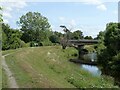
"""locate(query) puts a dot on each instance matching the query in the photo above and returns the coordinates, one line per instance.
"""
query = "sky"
(89, 16)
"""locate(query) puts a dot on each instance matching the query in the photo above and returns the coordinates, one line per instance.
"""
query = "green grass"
(45, 67)
(10, 51)
(4, 79)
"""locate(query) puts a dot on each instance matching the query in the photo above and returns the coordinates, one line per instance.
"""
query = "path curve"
(11, 80)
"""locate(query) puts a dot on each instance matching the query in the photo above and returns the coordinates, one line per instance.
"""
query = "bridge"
(82, 42)
(79, 45)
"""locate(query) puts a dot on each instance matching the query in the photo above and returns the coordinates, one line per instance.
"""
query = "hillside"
(48, 67)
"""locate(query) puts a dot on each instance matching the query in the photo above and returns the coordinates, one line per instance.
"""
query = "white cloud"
(8, 9)
(10, 6)
(73, 22)
(18, 4)
(92, 2)
(99, 4)
(7, 15)
(5, 21)
(102, 7)
(62, 19)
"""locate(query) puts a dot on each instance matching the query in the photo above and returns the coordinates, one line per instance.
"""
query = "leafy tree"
(109, 58)
(88, 37)
(100, 45)
(77, 35)
(34, 27)
(54, 39)
(1, 19)
(112, 38)
(11, 38)
(100, 36)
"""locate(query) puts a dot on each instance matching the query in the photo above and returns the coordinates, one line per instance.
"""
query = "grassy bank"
(4, 79)
(49, 67)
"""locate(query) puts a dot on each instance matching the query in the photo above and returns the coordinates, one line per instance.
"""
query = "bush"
(23, 44)
(47, 42)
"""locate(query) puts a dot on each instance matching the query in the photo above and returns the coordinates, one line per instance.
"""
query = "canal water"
(92, 69)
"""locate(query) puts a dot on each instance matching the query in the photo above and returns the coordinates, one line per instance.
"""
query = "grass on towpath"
(49, 67)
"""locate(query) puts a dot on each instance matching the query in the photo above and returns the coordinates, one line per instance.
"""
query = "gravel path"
(11, 80)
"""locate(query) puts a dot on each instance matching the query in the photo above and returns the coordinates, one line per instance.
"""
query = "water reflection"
(93, 69)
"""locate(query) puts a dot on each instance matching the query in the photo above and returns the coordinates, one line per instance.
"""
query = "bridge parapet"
(82, 42)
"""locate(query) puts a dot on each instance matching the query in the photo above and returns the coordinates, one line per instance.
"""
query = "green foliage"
(76, 35)
(100, 46)
(1, 19)
(109, 57)
(34, 26)
(11, 38)
(54, 39)
(46, 42)
(88, 37)
(112, 38)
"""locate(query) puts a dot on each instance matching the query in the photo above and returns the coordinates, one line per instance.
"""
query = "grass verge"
(48, 67)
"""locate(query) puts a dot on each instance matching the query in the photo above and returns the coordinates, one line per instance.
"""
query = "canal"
(92, 69)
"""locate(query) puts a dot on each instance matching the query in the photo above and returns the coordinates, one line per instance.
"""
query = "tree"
(54, 39)
(77, 35)
(88, 37)
(34, 27)
(1, 19)
(11, 38)
(109, 57)
(100, 36)
(112, 37)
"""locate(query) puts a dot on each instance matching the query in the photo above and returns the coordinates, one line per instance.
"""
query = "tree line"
(35, 31)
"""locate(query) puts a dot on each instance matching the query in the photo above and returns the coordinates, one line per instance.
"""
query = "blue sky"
(89, 17)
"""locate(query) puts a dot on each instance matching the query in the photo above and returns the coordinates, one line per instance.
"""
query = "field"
(49, 67)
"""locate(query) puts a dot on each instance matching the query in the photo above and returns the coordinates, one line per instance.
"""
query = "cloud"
(102, 7)
(99, 4)
(7, 15)
(73, 22)
(5, 21)
(62, 19)
(70, 23)
(8, 9)
(18, 5)
(92, 2)
(10, 6)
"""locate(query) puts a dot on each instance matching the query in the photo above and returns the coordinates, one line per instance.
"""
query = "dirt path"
(11, 80)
